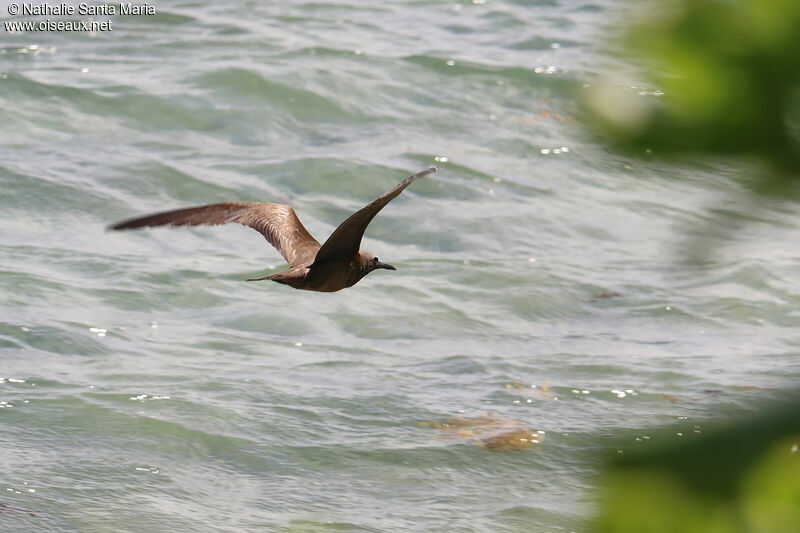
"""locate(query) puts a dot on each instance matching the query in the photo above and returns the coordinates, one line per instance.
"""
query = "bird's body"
(332, 266)
(326, 277)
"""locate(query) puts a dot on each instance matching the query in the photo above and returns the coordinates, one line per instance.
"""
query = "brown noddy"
(335, 265)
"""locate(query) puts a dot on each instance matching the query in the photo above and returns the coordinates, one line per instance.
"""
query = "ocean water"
(546, 289)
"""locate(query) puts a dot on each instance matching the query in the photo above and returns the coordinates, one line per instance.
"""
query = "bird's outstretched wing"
(277, 222)
(346, 240)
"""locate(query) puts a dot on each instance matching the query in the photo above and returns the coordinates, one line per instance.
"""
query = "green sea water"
(544, 283)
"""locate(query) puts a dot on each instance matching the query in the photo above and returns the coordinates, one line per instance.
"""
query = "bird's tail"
(262, 279)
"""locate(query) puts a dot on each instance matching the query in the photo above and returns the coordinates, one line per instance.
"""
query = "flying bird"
(335, 265)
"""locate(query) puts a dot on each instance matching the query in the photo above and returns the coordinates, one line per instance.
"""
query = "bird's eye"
(374, 259)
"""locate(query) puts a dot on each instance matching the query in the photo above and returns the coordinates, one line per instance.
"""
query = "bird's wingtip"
(425, 172)
(125, 224)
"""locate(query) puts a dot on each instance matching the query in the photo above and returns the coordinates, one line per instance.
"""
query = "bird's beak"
(386, 266)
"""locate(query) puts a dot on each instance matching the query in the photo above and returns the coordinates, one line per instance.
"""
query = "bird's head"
(370, 262)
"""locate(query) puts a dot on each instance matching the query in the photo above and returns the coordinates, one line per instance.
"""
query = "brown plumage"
(335, 265)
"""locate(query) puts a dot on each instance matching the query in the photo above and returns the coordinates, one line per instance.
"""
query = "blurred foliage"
(743, 479)
(727, 80)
